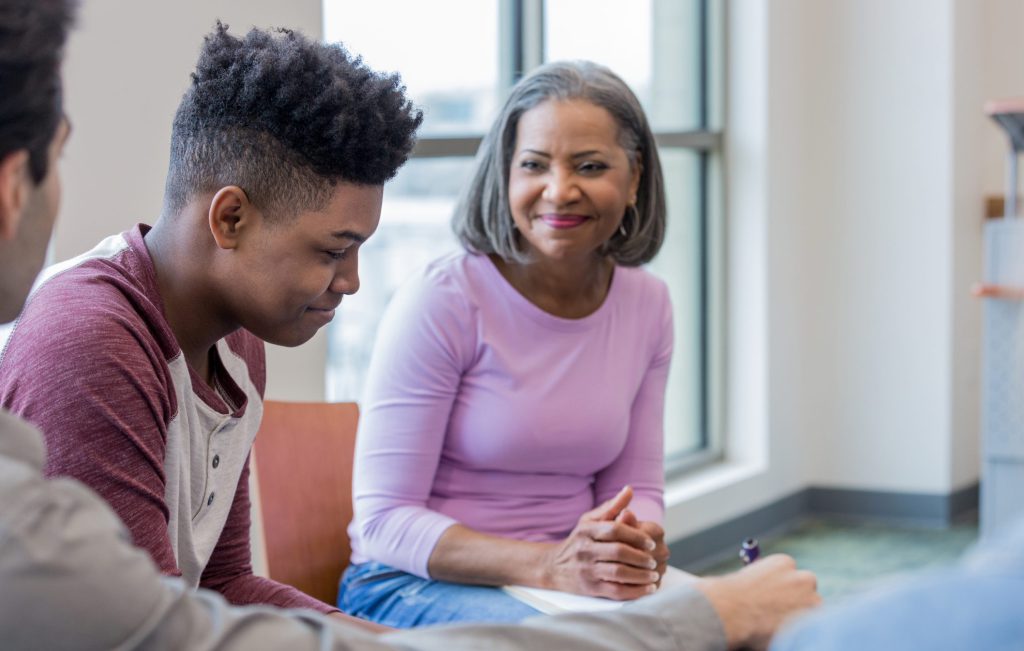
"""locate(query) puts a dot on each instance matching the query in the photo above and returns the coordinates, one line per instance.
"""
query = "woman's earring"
(631, 209)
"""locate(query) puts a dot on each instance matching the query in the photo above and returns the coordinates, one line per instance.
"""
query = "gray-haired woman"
(512, 426)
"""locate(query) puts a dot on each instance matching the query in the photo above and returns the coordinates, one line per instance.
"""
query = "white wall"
(859, 156)
(896, 160)
(877, 185)
(128, 64)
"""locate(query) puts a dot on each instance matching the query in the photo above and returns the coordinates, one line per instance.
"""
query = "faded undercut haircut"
(32, 36)
(285, 119)
(483, 220)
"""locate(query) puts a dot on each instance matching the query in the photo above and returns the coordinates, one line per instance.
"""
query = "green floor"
(851, 557)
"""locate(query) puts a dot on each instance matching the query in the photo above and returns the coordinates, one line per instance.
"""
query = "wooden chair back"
(303, 457)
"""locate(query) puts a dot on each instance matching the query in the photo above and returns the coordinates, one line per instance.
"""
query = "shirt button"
(209, 501)
(216, 460)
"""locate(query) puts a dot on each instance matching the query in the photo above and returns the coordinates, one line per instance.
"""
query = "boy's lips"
(325, 314)
(325, 308)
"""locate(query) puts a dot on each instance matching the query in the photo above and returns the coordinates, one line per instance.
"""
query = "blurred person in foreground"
(974, 605)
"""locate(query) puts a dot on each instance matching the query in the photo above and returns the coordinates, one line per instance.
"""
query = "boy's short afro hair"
(285, 118)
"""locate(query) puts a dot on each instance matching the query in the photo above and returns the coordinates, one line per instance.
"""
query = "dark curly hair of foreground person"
(285, 118)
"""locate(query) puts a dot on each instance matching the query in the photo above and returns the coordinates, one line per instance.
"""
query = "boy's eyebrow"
(349, 235)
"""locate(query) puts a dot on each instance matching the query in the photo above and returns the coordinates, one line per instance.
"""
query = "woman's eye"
(530, 165)
(337, 255)
(592, 167)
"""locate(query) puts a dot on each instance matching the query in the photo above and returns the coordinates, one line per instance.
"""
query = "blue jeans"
(383, 594)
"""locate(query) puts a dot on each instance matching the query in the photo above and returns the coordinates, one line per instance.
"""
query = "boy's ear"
(230, 213)
(14, 187)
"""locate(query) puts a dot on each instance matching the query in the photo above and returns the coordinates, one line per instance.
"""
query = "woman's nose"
(561, 188)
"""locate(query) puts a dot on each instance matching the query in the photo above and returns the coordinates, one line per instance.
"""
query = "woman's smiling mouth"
(562, 220)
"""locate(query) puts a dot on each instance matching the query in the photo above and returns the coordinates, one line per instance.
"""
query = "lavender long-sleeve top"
(484, 410)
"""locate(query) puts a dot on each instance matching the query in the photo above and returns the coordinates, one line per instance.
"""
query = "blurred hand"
(606, 557)
(756, 601)
(372, 627)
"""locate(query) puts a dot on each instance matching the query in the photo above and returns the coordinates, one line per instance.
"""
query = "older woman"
(512, 425)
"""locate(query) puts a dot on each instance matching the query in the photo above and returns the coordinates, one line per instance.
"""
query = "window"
(458, 71)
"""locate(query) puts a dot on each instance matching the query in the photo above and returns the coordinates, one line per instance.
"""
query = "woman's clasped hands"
(610, 553)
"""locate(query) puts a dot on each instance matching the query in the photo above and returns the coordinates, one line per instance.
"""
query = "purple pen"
(749, 551)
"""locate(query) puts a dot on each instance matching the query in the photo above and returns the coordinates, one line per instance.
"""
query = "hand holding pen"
(749, 551)
(754, 602)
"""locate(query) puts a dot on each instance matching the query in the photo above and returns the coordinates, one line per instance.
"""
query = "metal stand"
(1009, 113)
(1002, 485)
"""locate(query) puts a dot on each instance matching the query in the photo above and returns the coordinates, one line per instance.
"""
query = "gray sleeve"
(676, 619)
(682, 620)
(71, 580)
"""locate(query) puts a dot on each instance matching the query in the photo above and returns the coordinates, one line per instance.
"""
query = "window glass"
(449, 66)
(680, 264)
(414, 229)
(653, 45)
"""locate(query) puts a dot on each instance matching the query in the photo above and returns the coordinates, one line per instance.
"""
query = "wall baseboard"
(713, 545)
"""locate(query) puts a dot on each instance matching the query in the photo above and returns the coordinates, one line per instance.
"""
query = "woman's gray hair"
(483, 221)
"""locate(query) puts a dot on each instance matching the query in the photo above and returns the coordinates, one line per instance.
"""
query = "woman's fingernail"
(650, 545)
(652, 563)
(651, 588)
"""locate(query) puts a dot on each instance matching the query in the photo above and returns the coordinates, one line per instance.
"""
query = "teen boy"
(142, 360)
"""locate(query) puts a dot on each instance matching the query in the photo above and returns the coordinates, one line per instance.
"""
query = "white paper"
(551, 602)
